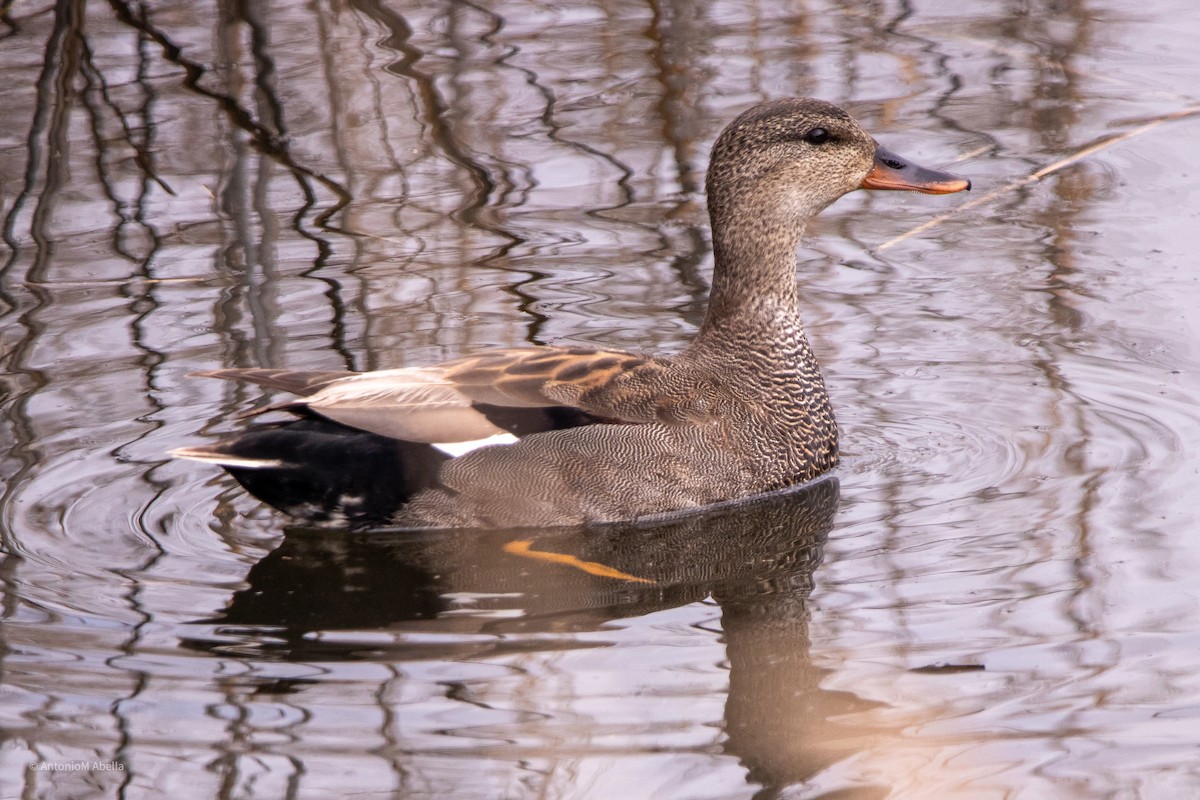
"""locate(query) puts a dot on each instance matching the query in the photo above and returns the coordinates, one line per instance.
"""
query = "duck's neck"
(754, 301)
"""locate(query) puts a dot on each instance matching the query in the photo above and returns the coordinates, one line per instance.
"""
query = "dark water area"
(994, 596)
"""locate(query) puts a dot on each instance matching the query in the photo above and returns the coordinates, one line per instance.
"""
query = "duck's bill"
(893, 172)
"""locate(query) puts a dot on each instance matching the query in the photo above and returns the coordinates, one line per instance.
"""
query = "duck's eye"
(817, 136)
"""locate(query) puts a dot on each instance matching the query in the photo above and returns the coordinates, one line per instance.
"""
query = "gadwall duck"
(550, 436)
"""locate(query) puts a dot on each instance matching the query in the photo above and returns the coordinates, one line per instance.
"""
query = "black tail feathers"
(322, 473)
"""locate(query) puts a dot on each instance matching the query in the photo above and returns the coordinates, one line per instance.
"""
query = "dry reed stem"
(1033, 177)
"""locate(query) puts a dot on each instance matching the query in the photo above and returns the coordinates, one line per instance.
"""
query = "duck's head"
(791, 158)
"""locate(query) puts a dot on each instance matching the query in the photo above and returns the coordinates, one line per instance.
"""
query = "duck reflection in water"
(538, 591)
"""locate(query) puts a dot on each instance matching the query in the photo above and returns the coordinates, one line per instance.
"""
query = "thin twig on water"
(1050, 169)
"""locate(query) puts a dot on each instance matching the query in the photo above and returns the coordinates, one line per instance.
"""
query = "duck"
(550, 436)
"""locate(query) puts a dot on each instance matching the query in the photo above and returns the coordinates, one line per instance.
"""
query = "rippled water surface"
(995, 597)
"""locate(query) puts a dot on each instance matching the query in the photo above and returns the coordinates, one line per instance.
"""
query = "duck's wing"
(515, 391)
(298, 382)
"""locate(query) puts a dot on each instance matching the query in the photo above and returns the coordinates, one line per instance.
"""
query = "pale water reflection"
(1002, 603)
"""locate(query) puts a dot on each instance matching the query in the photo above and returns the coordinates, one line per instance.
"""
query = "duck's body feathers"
(597, 435)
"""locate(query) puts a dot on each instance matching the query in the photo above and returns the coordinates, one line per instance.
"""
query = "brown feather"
(301, 382)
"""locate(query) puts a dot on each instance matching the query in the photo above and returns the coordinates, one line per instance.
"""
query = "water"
(994, 598)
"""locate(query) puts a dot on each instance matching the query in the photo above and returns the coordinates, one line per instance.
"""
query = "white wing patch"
(457, 449)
